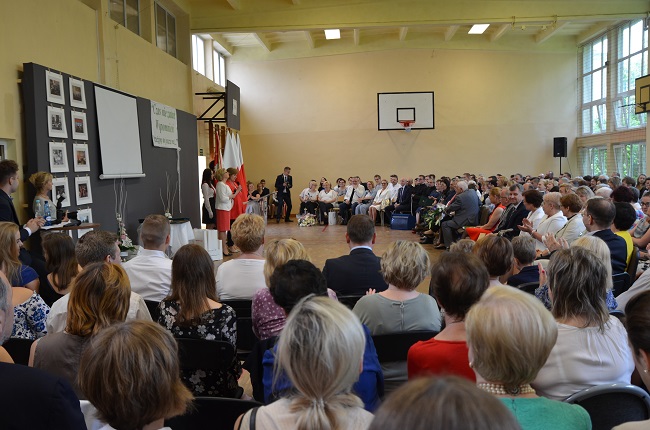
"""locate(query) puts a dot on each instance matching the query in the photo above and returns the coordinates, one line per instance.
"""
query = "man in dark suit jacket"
(598, 217)
(465, 208)
(9, 181)
(515, 214)
(26, 388)
(283, 184)
(523, 249)
(354, 274)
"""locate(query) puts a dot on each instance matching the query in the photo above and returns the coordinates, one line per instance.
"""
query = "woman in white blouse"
(208, 190)
(223, 204)
(382, 194)
(309, 198)
(550, 224)
(326, 199)
(366, 201)
(533, 200)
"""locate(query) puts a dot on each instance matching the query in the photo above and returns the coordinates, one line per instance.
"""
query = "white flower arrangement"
(307, 220)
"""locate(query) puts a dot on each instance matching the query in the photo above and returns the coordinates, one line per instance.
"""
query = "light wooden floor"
(323, 242)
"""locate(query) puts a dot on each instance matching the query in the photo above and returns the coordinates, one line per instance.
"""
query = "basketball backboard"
(415, 108)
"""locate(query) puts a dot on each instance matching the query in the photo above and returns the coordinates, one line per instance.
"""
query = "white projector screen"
(119, 134)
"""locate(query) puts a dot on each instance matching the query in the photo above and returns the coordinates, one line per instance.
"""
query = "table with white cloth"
(181, 233)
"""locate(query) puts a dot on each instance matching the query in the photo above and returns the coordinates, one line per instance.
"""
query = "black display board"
(143, 193)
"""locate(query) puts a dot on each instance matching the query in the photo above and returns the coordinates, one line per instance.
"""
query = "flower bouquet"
(124, 241)
(433, 216)
(307, 220)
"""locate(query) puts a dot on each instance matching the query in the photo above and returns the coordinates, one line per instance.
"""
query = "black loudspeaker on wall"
(559, 147)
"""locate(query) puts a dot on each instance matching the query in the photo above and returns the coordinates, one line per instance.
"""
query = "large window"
(593, 160)
(594, 86)
(126, 13)
(630, 158)
(631, 63)
(198, 54)
(165, 30)
(218, 68)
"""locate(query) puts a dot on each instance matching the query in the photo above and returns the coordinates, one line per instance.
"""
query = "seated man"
(523, 249)
(353, 196)
(598, 218)
(514, 214)
(402, 200)
(94, 247)
(24, 387)
(150, 272)
(240, 278)
(464, 208)
(356, 273)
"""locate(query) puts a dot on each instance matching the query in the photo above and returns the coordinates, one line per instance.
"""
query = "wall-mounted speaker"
(559, 147)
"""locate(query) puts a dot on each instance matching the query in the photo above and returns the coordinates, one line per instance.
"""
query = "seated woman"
(506, 365)
(130, 374)
(326, 199)
(571, 205)
(381, 200)
(456, 283)
(400, 308)
(309, 198)
(99, 298)
(19, 275)
(367, 199)
(30, 314)
(253, 203)
(533, 200)
(591, 347)
(497, 255)
(449, 403)
(552, 221)
(192, 310)
(500, 197)
(321, 352)
(61, 264)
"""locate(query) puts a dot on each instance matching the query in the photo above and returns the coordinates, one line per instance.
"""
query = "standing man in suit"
(24, 387)
(283, 184)
(515, 213)
(356, 273)
(9, 181)
(465, 208)
(598, 218)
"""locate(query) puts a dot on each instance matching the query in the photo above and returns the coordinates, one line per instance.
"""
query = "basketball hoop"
(407, 125)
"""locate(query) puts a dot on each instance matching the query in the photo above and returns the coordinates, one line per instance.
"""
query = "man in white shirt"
(150, 272)
(352, 198)
(94, 247)
(394, 187)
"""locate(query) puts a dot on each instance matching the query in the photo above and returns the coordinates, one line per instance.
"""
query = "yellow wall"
(494, 112)
(80, 39)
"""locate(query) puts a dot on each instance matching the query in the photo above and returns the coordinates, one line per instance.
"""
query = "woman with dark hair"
(591, 347)
(500, 200)
(533, 200)
(209, 192)
(456, 283)
(192, 310)
(61, 264)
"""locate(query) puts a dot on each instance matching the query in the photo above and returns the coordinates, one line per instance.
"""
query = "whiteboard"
(119, 134)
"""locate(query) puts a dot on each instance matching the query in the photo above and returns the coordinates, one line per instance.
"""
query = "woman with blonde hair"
(131, 361)
(19, 275)
(42, 182)
(591, 347)
(400, 308)
(223, 204)
(506, 365)
(192, 310)
(320, 350)
(99, 298)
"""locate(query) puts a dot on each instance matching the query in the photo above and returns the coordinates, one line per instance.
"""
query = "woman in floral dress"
(192, 311)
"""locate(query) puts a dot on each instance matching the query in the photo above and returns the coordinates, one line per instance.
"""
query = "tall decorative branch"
(168, 204)
(124, 241)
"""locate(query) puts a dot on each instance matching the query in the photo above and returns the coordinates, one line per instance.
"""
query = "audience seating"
(205, 354)
(212, 413)
(612, 404)
(245, 336)
(153, 309)
(634, 264)
(529, 287)
(621, 283)
(349, 301)
(483, 215)
(19, 349)
(395, 346)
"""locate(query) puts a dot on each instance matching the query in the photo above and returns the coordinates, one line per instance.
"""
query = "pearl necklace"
(500, 389)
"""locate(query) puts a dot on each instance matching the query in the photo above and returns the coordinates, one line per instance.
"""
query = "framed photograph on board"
(56, 122)
(79, 126)
(77, 93)
(60, 188)
(86, 217)
(58, 157)
(83, 191)
(80, 157)
(54, 85)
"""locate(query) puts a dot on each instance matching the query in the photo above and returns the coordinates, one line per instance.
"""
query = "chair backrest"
(152, 306)
(612, 404)
(245, 336)
(18, 349)
(212, 413)
(205, 354)
(395, 346)
(621, 283)
(348, 301)
(633, 265)
(529, 287)
(484, 215)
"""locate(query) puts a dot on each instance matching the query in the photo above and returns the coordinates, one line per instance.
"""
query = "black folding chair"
(19, 349)
(217, 413)
(245, 336)
(395, 346)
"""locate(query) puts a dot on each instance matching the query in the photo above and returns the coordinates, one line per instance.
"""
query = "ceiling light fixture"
(478, 28)
(333, 34)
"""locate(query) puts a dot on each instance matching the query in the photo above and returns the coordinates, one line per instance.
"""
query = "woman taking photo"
(254, 199)
(208, 190)
(309, 199)
(326, 199)
(192, 310)
(223, 204)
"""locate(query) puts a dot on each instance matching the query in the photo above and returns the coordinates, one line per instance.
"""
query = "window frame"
(171, 51)
(124, 22)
